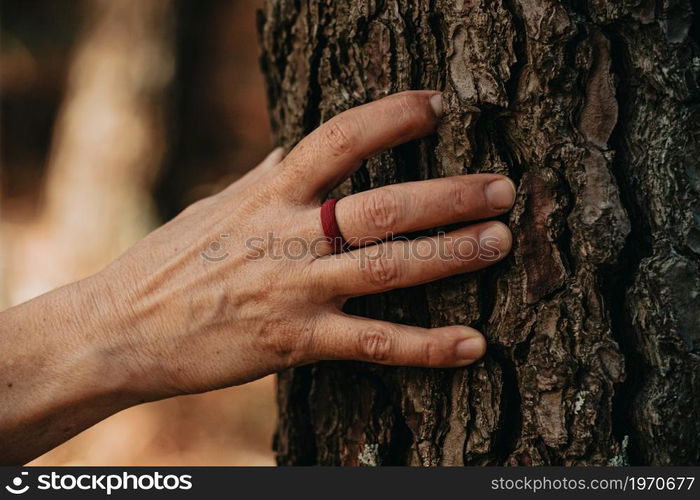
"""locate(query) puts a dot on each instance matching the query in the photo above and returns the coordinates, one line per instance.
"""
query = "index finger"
(333, 151)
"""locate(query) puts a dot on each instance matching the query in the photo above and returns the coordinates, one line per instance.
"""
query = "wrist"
(94, 348)
(132, 327)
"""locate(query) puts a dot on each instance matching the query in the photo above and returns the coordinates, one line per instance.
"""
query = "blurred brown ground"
(115, 116)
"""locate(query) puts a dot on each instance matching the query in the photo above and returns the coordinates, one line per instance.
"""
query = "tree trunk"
(593, 322)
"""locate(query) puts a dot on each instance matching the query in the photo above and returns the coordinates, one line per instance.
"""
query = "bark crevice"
(617, 279)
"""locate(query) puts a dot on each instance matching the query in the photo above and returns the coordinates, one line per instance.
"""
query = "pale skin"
(163, 320)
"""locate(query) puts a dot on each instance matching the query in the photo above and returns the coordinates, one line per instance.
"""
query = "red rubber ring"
(330, 225)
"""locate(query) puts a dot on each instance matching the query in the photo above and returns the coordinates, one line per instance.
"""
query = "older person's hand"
(246, 283)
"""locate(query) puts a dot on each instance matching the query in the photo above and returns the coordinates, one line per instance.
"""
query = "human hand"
(244, 283)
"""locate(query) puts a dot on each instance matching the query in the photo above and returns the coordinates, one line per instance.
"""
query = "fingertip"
(427, 107)
(436, 104)
(500, 193)
(470, 347)
(496, 236)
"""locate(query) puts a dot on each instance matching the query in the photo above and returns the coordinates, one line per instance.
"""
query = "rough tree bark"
(593, 321)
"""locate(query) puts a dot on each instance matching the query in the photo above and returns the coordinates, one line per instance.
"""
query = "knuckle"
(405, 106)
(279, 341)
(284, 342)
(460, 251)
(339, 136)
(430, 354)
(381, 210)
(382, 271)
(460, 198)
(197, 206)
(408, 111)
(375, 344)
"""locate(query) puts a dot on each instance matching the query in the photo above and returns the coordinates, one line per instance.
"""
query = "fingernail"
(495, 236)
(500, 194)
(436, 104)
(471, 348)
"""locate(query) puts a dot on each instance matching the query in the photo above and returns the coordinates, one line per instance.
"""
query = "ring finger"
(402, 208)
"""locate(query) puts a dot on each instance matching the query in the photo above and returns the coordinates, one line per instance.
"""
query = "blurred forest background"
(115, 115)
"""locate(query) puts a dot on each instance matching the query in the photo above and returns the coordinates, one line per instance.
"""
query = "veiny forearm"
(63, 368)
